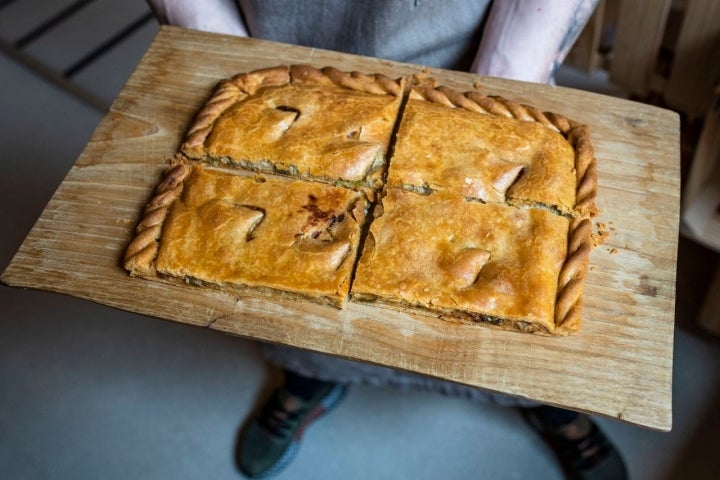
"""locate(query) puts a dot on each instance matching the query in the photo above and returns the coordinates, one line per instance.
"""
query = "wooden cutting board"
(620, 365)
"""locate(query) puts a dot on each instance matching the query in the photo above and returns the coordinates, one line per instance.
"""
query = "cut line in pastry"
(481, 206)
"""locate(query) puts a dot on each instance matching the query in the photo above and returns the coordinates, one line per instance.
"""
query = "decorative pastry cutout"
(507, 179)
(285, 108)
(283, 119)
(335, 251)
(466, 266)
(492, 185)
(454, 146)
(294, 120)
(231, 220)
(363, 155)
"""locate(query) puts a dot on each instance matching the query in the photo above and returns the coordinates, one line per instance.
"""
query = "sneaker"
(584, 452)
(271, 439)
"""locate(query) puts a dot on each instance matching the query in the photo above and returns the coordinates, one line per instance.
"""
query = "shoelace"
(584, 452)
(277, 419)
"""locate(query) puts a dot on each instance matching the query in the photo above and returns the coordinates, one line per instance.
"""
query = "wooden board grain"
(620, 365)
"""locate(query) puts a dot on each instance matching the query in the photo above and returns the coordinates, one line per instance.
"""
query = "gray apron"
(435, 33)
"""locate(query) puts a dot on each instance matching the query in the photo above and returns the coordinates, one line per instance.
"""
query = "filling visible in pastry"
(269, 233)
(317, 127)
(484, 157)
(464, 260)
(483, 213)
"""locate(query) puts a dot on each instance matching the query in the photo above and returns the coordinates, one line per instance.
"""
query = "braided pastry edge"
(568, 304)
(232, 90)
(141, 252)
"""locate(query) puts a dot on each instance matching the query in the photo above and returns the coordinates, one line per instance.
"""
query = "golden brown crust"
(323, 124)
(586, 171)
(480, 156)
(226, 94)
(142, 250)
(377, 83)
(469, 261)
(572, 277)
(577, 135)
(236, 232)
(524, 269)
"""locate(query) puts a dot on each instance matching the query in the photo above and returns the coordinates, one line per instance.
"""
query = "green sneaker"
(271, 439)
(584, 452)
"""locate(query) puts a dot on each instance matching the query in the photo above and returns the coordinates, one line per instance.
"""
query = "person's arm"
(528, 39)
(219, 16)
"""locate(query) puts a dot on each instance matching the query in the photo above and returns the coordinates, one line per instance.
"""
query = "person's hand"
(219, 16)
(528, 39)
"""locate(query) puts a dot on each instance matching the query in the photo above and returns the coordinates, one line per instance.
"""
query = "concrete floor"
(90, 392)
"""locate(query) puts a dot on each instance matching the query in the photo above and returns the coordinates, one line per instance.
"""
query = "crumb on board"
(613, 251)
(601, 235)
